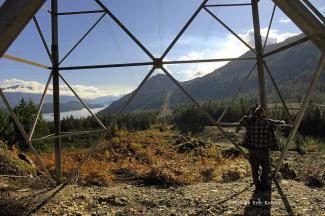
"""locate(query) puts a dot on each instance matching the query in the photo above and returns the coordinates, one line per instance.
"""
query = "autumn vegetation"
(152, 157)
(140, 149)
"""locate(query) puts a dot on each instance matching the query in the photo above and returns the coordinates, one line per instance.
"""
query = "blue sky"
(107, 43)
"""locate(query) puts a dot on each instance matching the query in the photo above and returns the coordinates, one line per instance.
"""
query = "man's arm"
(244, 121)
(276, 122)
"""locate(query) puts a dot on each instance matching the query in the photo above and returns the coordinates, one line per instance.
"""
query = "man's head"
(259, 112)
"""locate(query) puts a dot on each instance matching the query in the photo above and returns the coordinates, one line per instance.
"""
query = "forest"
(186, 119)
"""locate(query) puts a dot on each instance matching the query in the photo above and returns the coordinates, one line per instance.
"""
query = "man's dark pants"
(261, 158)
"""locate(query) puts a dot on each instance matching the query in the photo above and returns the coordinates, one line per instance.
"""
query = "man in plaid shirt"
(259, 140)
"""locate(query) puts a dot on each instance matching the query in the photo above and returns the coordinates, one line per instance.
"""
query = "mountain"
(68, 103)
(292, 69)
(149, 97)
(104, 100)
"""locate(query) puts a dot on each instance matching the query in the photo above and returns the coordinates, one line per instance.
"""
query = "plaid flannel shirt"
(259, 133)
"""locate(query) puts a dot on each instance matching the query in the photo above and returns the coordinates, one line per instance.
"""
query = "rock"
(124, 173)
(230, 152)
(288, 172)
(230, 175)
(119, 213)
(27, 159)
(24, 190)
(113, 200)
(82, 196)
(313, 181)
(149, 203)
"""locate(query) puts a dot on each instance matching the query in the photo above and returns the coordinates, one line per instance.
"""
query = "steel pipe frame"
(165, 53)
(146, 50)
(55, 69)
(25, 136)
(40, 106)
(170, 76)
(39, 30)
(259, 53)
(229, 29)
(112, 123)
(56, 89)
(307, 96)
(25, 61)
(236, 93)
(82, 38)
(67, 134)
(278, 92)
(208, 60)
(261, 57)
(269, 28)
(188, 23)
(306, 100)
(228, 5)
(50, 135)
(207, 114)
(82, 102)
(287, 46)
(15, 14)
(93, 147)
(136, 91)
(304, 19)
(236, 124)
(138, 64)
(44, 44)
(79, 12)
(125, 29)
(314, 10)
(86, 67)
(15, 30)
(78, 168)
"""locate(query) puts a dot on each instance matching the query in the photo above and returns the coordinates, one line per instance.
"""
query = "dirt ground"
(288, 198)
(234, 196)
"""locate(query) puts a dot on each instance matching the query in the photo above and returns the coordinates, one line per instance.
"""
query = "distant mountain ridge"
(68, 103)
(291, 68)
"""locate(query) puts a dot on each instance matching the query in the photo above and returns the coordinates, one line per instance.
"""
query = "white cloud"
(274, 36)
(34, 87)
(283, 20)
(229, 47)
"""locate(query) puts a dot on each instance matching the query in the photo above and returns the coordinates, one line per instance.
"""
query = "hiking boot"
(258, 186)
(265, 187)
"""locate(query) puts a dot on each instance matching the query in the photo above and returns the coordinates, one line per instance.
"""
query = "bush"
(314, 176)
(207, 174)
(231, 175)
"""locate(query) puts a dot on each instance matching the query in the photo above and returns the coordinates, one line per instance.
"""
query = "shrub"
(231, 175)
(207, 174)
(314, 176)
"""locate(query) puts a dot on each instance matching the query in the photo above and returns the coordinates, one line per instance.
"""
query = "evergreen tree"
(26, 113)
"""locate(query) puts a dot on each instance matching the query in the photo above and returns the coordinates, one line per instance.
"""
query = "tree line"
(26, 112)
(191, 119)
(186, 119)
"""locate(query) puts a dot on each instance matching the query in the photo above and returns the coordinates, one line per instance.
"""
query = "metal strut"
(306, 100)
(56, 89)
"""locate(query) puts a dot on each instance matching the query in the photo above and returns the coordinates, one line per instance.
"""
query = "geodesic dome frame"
(30, 7)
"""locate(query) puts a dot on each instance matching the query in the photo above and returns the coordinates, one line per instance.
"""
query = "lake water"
(77, 114)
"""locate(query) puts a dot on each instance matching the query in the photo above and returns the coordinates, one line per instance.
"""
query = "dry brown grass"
(150, 156)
